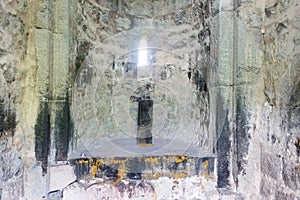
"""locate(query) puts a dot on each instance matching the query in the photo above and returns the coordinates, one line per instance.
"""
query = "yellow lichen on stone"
(145, 145)
(122, 169)
(181, 159)
(152, 160)
(157, 175)
(94, 170)
(177, 176)
(206, 172)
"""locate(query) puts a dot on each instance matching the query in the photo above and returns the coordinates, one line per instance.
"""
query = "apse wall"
(57, 57)
(110, 79)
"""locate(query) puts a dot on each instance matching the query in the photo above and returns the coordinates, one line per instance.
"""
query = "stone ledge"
(112, 170)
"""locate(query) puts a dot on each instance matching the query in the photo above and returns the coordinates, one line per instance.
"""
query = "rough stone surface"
(109, 82)
(60, 176)
(11, 47)
(163, 188)
(281, 80)
(227, 73)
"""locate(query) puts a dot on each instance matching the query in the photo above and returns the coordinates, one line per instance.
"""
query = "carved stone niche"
(136, 95)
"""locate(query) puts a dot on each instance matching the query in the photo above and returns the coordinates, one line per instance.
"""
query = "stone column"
(36, 64)
(234, 75)
(42, 39)
(48, 55)
(248, 96)
(222, 88)
(59, 80)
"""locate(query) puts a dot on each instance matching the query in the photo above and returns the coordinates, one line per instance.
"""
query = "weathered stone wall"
(11, 47)
(280, 124)
(246, 51)
(255, 72)
(105, 88)
(235, 75)
(33, 41)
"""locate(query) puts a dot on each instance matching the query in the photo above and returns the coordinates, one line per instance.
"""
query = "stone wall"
(259, 40)
(246, 51)
(280, 114)
(11, 48)
(106, 88)
(32, 106)
(235, 76)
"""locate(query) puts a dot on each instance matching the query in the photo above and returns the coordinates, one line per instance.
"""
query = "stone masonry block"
(221, 5)
(271, 165)
(60, 65)
(61, 176)
(61, 16)
(249, 55)
(42, 15)
(42, 46)
(222, 45)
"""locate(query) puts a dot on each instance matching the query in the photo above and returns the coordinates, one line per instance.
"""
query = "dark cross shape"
(144, 122)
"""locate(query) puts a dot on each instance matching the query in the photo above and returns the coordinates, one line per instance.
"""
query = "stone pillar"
(235, 71)
(49, 56)
(36, 63)
(222, 88)
(248, 97)
(42, 42)
(59, 80)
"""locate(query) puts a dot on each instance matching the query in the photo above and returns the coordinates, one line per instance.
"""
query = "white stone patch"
(61, 176)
